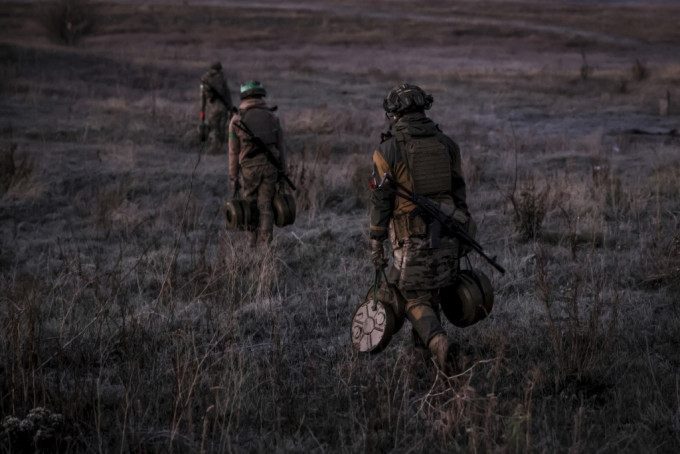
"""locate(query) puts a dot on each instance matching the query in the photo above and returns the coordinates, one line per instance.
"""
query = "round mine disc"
(487, 291)
(372, 326)
(460, 301)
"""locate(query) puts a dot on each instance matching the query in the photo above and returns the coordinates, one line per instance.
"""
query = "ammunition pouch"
(406, 226)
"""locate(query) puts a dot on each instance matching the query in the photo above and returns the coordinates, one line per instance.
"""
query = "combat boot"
(446, 353)
(252, 239)
(420, 350)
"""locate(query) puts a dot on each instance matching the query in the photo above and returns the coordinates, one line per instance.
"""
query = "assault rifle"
(261, 147)
(219, 96)
(431, 209)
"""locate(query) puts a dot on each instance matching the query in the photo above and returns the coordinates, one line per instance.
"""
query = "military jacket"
(440, 178)
(420, 157)
(261, 120)
(214, 88)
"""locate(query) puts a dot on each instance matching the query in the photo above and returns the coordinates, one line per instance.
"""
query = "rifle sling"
(218, 95)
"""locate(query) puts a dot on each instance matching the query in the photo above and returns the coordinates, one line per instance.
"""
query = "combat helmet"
(252, 88)
(216, 66)
(405, 98)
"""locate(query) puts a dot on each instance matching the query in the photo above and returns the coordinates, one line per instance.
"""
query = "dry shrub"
(308, 185)
(13, 172)
(586, 69)
(639, 71)
(69, 20)
(616, 202)
(238, 275)
(474, 167)
(529, 208)
(674, 259)
(581, 314)
(330, 121)
(666, 269)
(600, 171)
(42, 430)
(321, 183)
(665, 180)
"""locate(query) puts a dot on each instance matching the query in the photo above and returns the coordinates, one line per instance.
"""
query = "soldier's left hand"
(460, 217)
(235, 186)
(378, 254)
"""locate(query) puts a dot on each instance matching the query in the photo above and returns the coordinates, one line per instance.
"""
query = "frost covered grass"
(135, 322)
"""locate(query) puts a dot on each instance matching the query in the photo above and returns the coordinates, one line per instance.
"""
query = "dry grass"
(135, 322)
(15, 174)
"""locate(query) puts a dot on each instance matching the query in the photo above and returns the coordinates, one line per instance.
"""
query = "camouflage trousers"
(422, 310)
(218, 120)
(420, 271)
(259, 187)
(423, 267)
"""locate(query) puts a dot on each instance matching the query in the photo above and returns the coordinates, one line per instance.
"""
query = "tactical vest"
(263, 124)
(428, 164)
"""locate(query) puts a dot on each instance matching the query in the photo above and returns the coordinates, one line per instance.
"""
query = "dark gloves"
(460, 217)
(378, 254)
(235, 186)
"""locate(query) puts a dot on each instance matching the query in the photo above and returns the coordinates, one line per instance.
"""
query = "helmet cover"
(252, 88)
(406, 98)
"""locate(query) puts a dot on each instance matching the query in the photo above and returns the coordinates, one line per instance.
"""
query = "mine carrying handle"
(263, 148)
(430, 209)
(376, 285)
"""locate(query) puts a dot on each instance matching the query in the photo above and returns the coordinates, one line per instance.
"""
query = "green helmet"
(252, 88)
(406, 98)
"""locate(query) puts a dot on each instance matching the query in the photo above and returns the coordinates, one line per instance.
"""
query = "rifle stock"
(263, 148)
(431, 209)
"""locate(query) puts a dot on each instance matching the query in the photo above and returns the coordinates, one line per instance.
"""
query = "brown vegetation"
(134, 322)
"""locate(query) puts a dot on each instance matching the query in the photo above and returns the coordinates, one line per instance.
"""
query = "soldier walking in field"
(259, 174)
(216, 105)
(415, 153)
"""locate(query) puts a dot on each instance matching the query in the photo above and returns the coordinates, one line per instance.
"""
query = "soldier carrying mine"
(259, 173)
(417, 155)
(217, 106)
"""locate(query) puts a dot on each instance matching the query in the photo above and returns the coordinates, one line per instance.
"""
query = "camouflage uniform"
(259, 175)
(418, 155)
(216, 105)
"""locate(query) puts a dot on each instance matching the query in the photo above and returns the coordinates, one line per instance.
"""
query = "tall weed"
(13, 172)
(69, 20)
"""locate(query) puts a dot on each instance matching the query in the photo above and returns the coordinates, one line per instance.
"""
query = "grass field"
(134, 322)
